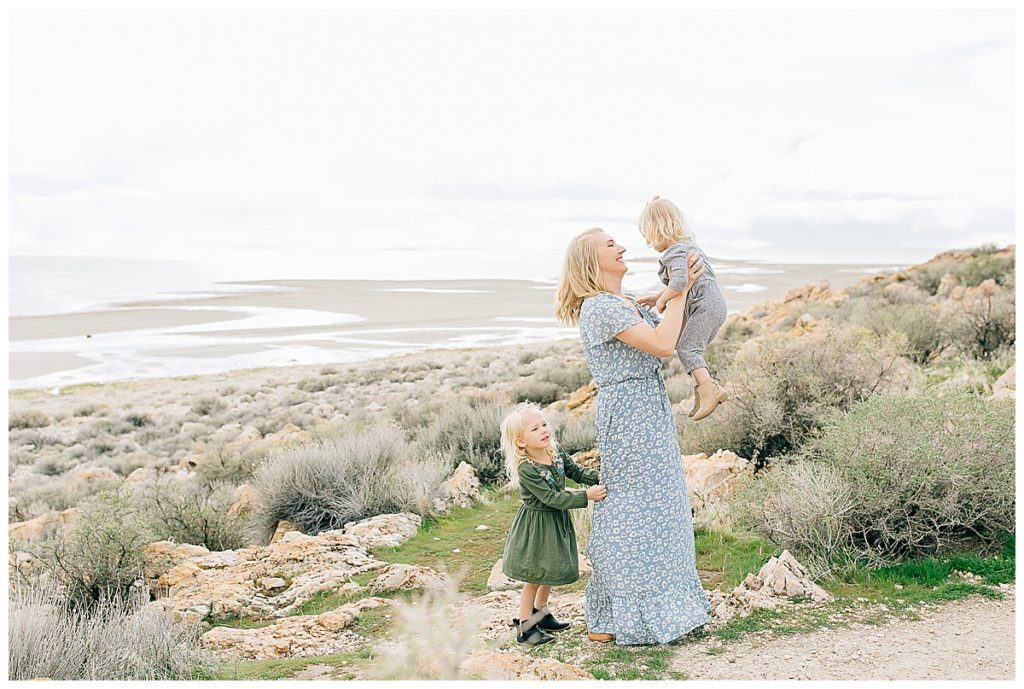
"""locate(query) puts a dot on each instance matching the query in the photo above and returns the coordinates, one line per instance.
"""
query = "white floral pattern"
(644, 588)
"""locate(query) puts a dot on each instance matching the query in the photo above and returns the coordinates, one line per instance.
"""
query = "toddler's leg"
(542, 597)
(526, 599)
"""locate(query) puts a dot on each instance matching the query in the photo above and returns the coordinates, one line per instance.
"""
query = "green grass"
(281, 668)
(438, 538)
(726, 559)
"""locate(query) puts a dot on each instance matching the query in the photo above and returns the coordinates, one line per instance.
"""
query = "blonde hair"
(580, 278)
(662, 221)
(511, 429)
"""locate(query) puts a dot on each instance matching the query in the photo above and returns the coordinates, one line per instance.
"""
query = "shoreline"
(323, 322)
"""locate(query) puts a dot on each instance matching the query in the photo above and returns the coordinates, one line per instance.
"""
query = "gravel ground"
(969, 639)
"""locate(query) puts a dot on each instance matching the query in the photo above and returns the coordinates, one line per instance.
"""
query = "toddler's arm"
(678, 271)
(586, 477)
(530, 478)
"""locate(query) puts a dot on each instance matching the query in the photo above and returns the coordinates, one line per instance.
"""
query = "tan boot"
(711, 394)
(600, 638)
(696, 401)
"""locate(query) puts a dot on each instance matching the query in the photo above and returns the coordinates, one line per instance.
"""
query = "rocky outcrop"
(710, 481)
(1005, 388)
(384, 530)
(243, 501)
(92, 475)
(44, 527)
(462, 489)
(583, 399)
(284, 526)
(488, 665)
(302, 636)
(404, 577)
(497, 581)
(233, 582)
(591, 459)
(777, 581)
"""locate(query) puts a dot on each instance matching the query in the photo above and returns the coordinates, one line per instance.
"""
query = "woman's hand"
(597, 492)
(696, 268)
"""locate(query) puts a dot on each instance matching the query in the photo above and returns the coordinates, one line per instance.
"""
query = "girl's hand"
(597, 492)
(649, 300)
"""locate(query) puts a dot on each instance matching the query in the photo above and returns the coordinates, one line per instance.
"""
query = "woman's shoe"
(549, 623)
(711, 394)
(600, 638)
(529, 634)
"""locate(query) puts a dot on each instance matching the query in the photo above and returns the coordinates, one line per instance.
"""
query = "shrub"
(730, 337)
(138, 420)
(983, 321)
(193, 511)
(207, 406)
(114, 640)
(926, 337)
(231, 468)
(573, 433)
(414, 654)
(551, 383)
(895, 478)
(783, 388)
(325, 484)
(101, 556)
(470, 432)
(28, 419)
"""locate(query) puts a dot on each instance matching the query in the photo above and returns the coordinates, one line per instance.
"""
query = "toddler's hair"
(511, 427)
(663, 221)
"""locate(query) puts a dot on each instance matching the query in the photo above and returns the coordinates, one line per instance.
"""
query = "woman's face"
(609, 253)
(535, 433)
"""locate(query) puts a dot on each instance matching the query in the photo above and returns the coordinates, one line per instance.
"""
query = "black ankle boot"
(529, 633)
(549, 622)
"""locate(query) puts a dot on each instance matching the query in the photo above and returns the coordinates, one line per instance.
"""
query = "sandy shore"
(328, 321)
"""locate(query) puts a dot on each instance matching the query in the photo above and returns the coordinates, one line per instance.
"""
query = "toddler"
(663, 227)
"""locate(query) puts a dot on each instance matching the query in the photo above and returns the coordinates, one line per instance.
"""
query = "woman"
(644, 587)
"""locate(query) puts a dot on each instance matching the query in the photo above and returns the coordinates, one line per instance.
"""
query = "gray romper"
(705, 304)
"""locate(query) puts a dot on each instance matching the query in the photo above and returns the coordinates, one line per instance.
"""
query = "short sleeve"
(604, 316)
(675, 258)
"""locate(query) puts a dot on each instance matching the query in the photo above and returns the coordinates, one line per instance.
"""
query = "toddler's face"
(535, 433)
(661, 245)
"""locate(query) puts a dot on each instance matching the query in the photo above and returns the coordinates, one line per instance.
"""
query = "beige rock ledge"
(516, 666)
(303, 636)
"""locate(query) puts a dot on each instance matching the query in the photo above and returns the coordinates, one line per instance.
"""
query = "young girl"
(663, 227)
(541, 545)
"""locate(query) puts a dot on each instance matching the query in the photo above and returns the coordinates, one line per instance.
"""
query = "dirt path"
(966, 639)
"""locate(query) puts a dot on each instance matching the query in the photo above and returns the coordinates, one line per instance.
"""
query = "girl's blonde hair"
(580, 278)
(511, 428)
(662, 221)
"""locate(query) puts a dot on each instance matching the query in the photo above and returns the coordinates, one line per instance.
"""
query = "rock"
(711, 480)
(227, 582)
(778, 580)
(93, 474)
(591, 459)
(160, 557)
(302, 636)
(489, 665)
(583, 399)
(805, 324)
(284, 526)
(245, 440)
(289, 434)
(243, 500)
(1005, 388)
(192, 429)
(497, 581)
(141, 476)
(193, 458)
(401, 577)
(270, 583)
(384, 530)
(946, 285)
(45, 526)
(482, 527)
(462, 489)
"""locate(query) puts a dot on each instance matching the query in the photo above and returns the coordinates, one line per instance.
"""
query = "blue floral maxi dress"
(644, 588)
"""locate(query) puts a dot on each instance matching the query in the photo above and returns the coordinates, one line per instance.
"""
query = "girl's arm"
(586, 477)
(661, 341)
(530, 478)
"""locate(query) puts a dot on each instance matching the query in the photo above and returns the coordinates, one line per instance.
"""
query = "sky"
(278, 137)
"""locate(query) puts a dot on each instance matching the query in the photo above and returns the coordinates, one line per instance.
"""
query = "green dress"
(541, 545)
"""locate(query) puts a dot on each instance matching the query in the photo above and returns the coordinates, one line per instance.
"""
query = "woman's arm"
(661, 341)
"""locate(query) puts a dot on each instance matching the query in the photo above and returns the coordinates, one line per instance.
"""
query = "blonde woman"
(644, 586)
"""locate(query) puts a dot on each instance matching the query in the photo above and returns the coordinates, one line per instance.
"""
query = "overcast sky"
(235, 133)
